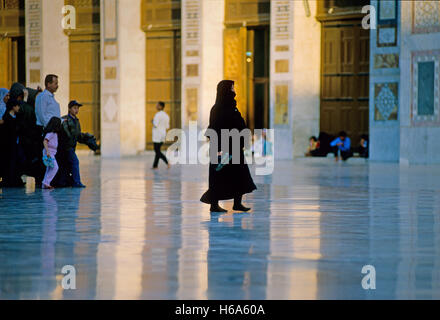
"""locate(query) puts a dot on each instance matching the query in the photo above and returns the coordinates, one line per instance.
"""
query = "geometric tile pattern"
(386, 101)
(425, 88)
(386, 61)
(387, 11)
(426, 16)
(386, 36)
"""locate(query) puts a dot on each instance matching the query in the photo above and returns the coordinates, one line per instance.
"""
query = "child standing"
(71, 135)
(50, 150)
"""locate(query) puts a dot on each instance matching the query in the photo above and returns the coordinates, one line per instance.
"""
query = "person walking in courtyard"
(161, 123)
(50, 143)
(226, 181)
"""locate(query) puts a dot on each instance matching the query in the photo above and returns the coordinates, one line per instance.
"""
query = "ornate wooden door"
(345, 54)
(163, 78)
(12, 55)
(345, 79)
(85, 80)
(246, 57)
(5, 63)
(85, 64)
(162, 25)
(235, 45)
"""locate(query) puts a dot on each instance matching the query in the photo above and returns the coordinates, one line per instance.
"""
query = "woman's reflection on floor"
(238, 246)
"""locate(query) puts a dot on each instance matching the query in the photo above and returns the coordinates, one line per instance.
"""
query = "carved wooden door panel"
(235, 44)
(5, 63)
(163, 78)
(85, 80)
(85, 64)
(344, 79)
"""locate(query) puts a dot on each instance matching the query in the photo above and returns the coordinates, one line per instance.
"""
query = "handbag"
(223, 161)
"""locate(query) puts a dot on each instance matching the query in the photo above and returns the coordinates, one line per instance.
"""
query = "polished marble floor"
(138, 234)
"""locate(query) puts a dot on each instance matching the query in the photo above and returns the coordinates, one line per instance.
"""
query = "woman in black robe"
(232, 181)
(12, 153)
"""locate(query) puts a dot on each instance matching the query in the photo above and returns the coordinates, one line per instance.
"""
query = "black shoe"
(240, 207)
(217, 208)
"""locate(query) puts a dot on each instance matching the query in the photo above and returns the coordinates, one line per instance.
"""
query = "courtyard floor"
(135, 233)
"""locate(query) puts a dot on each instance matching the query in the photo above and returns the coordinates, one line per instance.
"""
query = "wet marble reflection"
(141, 234)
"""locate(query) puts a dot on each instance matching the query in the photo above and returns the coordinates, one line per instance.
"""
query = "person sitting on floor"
(342, 146)
(313, 146)
(363, 146)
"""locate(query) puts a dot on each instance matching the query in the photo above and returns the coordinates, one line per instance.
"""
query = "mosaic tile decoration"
(387, 11)
(425, 16)
(425, 88)
(386, 101)
(386, 61)
(386, 36)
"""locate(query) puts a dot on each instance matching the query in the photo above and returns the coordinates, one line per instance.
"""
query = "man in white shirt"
(46, 106)
(161, 123)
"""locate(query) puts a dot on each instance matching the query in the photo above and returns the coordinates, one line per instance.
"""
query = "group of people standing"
(36, 140)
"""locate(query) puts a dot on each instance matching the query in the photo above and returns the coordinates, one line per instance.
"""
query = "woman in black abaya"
(233, 180)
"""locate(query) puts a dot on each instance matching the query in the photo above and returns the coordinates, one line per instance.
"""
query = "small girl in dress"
(50, 150)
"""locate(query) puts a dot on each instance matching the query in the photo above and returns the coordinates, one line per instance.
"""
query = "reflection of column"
(193, 253)
(294, 244)
(48, 284)
(88, 231)
(158, 232)
(383, 213)
(129, 268)
(110, 216)
(418, 272)
(405, 288)
(345, 228)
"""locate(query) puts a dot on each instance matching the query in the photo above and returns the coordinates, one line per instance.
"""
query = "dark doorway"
(257, 59)
(345, 55)
(20, 44)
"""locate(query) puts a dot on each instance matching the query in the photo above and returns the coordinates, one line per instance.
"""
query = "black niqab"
(224, 114)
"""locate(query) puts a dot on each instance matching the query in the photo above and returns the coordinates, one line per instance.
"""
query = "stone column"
(202, 58)
(294, 75)
(384, 82)
(122, 79)
(202, 63)
(47, 47)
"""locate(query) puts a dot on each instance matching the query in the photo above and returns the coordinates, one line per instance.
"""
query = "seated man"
(363, 146)
(68, 173)
(342, 146)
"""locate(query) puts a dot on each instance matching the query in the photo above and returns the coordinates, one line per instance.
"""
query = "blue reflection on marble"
(141, 234)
